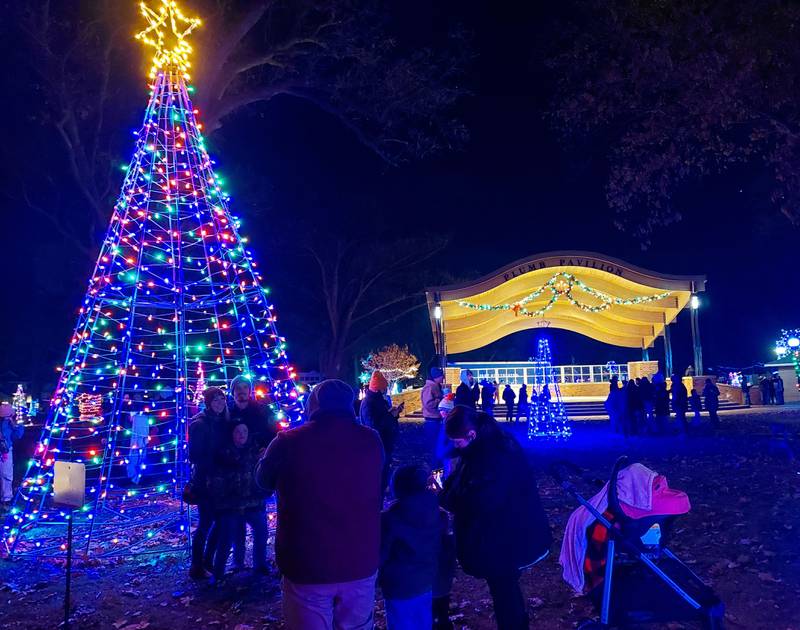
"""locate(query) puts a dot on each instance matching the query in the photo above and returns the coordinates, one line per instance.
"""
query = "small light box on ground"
(69, 484)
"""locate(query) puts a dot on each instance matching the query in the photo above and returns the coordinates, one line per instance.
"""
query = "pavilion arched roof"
(592, 294)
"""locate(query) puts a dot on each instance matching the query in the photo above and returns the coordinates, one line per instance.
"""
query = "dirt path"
(741, 535)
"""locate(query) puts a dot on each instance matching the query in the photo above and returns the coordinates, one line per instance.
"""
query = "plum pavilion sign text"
(563, 261)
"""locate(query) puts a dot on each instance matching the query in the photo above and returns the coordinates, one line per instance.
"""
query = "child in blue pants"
(412, 530)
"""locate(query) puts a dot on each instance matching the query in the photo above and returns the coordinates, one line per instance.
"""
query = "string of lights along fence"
(176, 302)
(562, 285)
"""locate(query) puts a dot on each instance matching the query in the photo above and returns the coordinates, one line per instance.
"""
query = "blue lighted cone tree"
(548, 412)
(175, 302)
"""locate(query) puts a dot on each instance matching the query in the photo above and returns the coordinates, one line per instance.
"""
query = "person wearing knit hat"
(9, 433)
(331, 396)
(378, 382)
(446, 405)
(377, 412)
(431, 396)
(206, 433)
(210, 394)
(326, 474)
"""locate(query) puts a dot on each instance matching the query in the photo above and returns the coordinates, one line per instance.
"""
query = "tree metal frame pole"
(698, 348)
(440, 338)
(68, 589)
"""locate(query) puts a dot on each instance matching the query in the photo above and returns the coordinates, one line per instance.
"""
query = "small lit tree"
(396, 362)
(788, 347)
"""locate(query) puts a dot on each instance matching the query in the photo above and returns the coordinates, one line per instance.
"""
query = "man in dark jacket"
(378, 414)
(680, 402)
(465, 394)
(244, 408)
(711, 400)
(487, 397)
(661, 402)
(327, 477)
(508, 398)
(476, 390)
(778, 388)
(500, 526)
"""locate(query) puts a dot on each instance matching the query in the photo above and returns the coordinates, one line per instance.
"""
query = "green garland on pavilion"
(561, 285)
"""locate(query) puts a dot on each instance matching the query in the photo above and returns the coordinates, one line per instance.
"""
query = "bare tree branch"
(58, 225)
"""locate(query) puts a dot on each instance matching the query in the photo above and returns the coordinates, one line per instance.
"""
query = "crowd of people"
(641, 406)
(487, 394)
(771, 389)
(346, 525)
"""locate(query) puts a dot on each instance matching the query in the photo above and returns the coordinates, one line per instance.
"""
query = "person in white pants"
(9, 432)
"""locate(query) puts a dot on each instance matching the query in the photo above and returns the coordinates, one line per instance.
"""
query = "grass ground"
(741, 535)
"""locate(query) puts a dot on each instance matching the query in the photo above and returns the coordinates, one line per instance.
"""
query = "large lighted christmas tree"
(175, 303)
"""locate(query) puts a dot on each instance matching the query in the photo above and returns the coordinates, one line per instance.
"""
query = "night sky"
(515, 190)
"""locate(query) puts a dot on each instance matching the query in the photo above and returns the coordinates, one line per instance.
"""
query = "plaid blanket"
(594, 563)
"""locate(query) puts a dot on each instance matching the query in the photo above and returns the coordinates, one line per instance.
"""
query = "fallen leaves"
(740, 533)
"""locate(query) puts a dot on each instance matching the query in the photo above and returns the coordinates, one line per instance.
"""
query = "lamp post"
(698, 349)
(440, 341)
(668, 351)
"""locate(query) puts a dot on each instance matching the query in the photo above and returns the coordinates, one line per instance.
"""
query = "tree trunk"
(331, 362)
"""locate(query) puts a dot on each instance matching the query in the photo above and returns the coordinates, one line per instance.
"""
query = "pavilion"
(592, 294)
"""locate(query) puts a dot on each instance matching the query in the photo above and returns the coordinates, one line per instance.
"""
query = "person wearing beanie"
(413, 528)
(327, 477)
(464, 392)
(378, 382)
(446, 405)
(492, 489)
(378, 413)
(432, 395)
(206, 433)
(9, 433)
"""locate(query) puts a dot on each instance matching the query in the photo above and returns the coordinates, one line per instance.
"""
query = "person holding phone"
(376, 412)
(499, 524)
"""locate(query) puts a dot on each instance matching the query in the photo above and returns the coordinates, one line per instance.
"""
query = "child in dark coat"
(413, 529)
(237, 499)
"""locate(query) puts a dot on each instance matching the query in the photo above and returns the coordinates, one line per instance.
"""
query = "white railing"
(530, 373)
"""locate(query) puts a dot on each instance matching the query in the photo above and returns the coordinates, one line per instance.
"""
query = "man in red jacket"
(327, 475)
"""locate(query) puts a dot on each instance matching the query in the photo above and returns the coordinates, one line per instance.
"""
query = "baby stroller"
(627, 571)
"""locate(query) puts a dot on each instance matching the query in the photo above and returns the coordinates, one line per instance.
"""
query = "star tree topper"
(166, 31)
